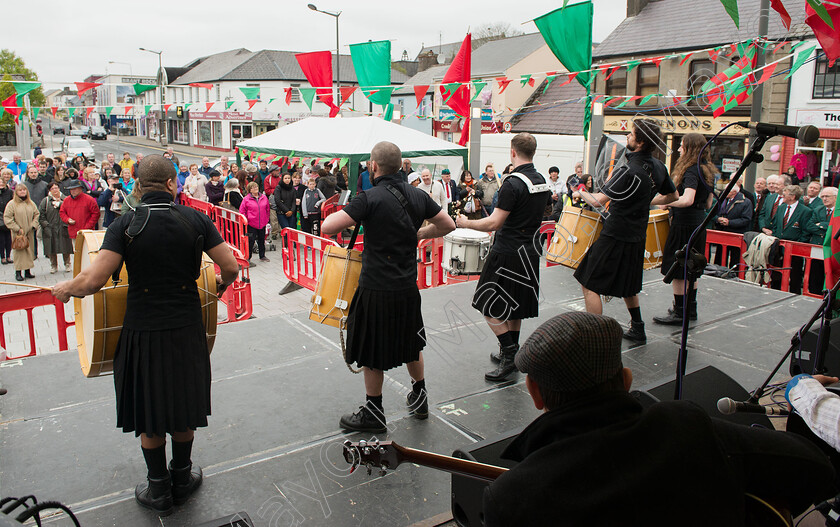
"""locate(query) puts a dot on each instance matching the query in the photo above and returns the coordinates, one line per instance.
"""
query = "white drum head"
(466, 236)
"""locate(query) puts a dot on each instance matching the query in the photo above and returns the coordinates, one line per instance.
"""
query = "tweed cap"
(572, 352)
(73, 183)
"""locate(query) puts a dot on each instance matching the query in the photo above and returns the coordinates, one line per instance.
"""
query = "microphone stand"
(684, 262)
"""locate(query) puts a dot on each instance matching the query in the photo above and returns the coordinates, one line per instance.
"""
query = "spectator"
(79, 211)
(214, 189)
(341, 178)
(761, 193)
(794, 178)
(172, 156)
(406, 169)
(37, 191)
(127, 182)
(132, 199)
(205, 167)
(364, 183)
(828, 195)
(91, 183)
(557, 187)
(310, 208)
(271, 181)
(224, 168)
(573, 181)
(138, 157)
(254, 207)
(185, 172)
(54, 233)
(126, 163)
(734, 215)
(414, 179)
(469, 196)
(195, 184)
(17, 166)
(79, 162)
(432, 188)
(812, 198)
(300, 188)
(110, 161)
(253, 175)
(21, 218)
(793, 221)
(326, 183)
(451, 190)
(6, 195)
(69, 175)
(489, 185)
(233, 196)
(286, 200)
(589, 459)
(233, 173)
(263, 172)
(43, 171)
(111, 200)
(584, 183)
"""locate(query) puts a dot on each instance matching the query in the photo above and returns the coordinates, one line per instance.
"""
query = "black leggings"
(257, 235)
(5, 243)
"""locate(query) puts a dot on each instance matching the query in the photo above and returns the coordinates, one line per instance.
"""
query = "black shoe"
(155, 494)
(692, 311)
(363, 421)
(674, 317)
(636, 333)
(3, 391)
(506, 365)
(418, 405)
(18, 276)
(28, 274)
(185, 481)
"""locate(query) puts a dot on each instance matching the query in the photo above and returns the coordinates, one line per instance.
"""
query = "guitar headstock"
(383, 455)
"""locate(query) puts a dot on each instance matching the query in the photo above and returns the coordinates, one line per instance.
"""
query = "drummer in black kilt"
(687, 213)
(384, 324)
(509, 287)
(161, 364)
(613, 265)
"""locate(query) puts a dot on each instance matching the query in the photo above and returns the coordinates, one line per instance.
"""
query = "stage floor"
(273, 447)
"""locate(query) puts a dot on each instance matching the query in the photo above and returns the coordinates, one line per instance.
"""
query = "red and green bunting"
(733, 86)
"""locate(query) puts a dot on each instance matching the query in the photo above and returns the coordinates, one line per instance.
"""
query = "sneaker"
(363, 421)
(264, 259)
(68, 268)
(418, 405)
(53, 269)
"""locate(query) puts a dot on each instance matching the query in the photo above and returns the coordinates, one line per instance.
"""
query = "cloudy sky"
(65, 41)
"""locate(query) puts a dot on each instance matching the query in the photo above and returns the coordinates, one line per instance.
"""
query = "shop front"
(821, 160)
(220, 130)
(178, 125)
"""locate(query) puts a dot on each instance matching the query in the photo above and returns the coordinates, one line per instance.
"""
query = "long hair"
(692, 143)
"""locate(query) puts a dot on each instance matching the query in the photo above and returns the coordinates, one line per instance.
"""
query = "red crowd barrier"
(237, 297)
(330, 206)
(302, 256)
(727, 240)
(27, 301)
(233, 227)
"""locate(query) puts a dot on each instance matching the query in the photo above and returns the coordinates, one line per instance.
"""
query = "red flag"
(766, 73)
(687, 55)
(779, 7)
(88, 111)
(206, 85)
(610, 74)
(128, 109)
(209, 105)
(317, 67)
(829, 38)
(82, 87)
(503, 84)
(779, 46)
(419, 93)
(654, 60)
(531, 81)
(714, 54)
(165, 107)
(288, 95)
(346, 92)
(459, 71)
(252, 102)
(53, 109)
(10, 105)
(570, 79)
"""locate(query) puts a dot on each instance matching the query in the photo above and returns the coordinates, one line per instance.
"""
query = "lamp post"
(337, 63)
(162, 92)
(130, 70)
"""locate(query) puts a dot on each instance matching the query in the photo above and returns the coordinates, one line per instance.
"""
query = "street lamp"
(337, 63)
(162, 91)
(130, 70)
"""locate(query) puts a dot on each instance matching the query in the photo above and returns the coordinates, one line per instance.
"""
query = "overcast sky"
(65, 41)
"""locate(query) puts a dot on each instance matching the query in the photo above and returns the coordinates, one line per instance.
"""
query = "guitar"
(387, 455)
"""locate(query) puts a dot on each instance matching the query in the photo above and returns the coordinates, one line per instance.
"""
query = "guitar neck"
(452, 465)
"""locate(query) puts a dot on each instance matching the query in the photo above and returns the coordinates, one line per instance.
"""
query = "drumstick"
(27, 285)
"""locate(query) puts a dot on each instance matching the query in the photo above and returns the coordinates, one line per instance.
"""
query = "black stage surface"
(273, 447)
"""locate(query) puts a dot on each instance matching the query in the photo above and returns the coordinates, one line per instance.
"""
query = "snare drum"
(99, 317)
(657, 232)
(574, 234)
(337, 283)
(464, 251)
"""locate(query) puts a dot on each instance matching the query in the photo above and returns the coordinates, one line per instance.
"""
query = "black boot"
(675, 314)
(418, 404)
(185, 481)
(506, 365)
(155, 494)
(692, 304)
(636, 333)
(18, 276)
(28, 274)
(496, 356)
(365, 420)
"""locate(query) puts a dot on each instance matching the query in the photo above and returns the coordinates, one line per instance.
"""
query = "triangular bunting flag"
(684, 57)
(88, 111)
(766, 73)
(570, 79)
(346, 92)
(189, 105)
(714, 54)
(779, 7)
(228, 104)
(610, 74)
(654, 60)
(288, 95)
(646, 98)
(71, 112)
(548, 81)
(779, 46)
(731, 7)
(209, 105)
(272, 100)
(166, 107)
(632, 64)
(205, 85)
(142, 88)
(82, 87)
(127, 109)
(252, 102)
(629, 100)
(419, 93)
(54, 109)
(478, 85)
(148, 108)
(526, 79)
(108, 110)
(608, 100)
(503, 83)
(250, 93)
(801, 57)
(24, 87)
(35, 111)
(449, 90)
(343, 162)
(308, 95)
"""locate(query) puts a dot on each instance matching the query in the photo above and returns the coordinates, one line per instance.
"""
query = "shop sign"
(729, 164)
(446, 126)
(220, 116)
(819, 118)
(445, 114)
(678, 124)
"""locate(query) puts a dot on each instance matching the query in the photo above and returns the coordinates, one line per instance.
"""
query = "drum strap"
(532, 188)
(409, 210)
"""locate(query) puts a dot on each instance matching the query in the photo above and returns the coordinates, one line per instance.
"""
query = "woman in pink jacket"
(256, 210)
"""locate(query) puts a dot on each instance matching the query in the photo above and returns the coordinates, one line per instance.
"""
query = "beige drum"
(657, 232)
(574, 234)
(337, 283)
(464, 251)
(99, 317)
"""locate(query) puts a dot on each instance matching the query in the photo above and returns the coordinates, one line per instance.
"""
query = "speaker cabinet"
(803, 362)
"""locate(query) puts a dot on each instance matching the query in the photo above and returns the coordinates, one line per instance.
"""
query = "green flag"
(22, 88)
(450, 89)
(35, 111)
(343, 162)
(307, 94)
(632, 64)
(108, 110)
(372, 64)
(228, 104)
(71, 111)
(142, 88)
(479, 85)
(251, 93)
(524, 79)
(800, 60)
(148, 108)
(731, 7)
(568, 33)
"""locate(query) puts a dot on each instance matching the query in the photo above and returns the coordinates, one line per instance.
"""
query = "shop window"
(217, 133)
(647, 82)
(205, 133)
(295, 92)
(826, 79)
(617, 84)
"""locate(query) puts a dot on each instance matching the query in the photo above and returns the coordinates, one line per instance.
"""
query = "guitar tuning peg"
(362, 443)
(382, 450)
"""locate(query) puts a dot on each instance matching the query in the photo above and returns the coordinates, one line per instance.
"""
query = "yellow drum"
(574, 234)
(99, 317)
(657, 232)
(337, 283)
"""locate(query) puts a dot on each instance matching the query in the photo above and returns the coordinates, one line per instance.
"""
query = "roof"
(51, 92)
(563, 118)
(427, 77)
(672, 25)
(496, 56)
(447, 50)
(243, 65)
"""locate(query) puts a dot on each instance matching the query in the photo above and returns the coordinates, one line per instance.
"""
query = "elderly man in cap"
(596, 457)
(80, 211)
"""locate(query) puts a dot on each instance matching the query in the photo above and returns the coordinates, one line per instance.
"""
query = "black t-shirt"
(694, 213)
(526, 212)
(630, 190)
(162, 293)
(389, 260)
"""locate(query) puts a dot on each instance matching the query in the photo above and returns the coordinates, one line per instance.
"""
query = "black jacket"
(284, 198)
(605, 461)
(6, 196)
(326, 184)
(739, 213)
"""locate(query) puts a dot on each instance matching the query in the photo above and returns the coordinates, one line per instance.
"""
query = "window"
(647, 82)
(826, 80)
(218, 92)
(205, 133)
(295, 92)
(217, 133)
(617, 84)
(699, 71)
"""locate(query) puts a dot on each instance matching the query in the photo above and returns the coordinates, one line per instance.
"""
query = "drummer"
(508, 289)
(161, 364)
(613, 265)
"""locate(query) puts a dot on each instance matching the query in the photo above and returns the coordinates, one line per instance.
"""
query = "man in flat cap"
(595, 457)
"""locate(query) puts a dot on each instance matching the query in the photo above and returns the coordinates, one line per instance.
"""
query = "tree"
(494, 31)
(11, 64)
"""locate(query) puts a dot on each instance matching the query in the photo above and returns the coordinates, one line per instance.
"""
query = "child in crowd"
(310, 208)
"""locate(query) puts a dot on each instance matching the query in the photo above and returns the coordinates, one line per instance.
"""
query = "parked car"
(98, 132)
(79, 133)
(58, 130)
(73, 146)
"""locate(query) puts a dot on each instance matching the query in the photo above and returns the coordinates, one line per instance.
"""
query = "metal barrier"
(27, 301)
(302, 256)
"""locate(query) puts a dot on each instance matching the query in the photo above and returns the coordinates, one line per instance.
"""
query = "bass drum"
(99, 317)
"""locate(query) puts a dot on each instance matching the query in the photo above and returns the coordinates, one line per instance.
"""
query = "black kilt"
(514, 295)
(612, 267)
(385, 328)
(162, 380)
(678, 236)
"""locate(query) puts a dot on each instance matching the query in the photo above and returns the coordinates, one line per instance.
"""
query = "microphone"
(806, 134)
(727, 406)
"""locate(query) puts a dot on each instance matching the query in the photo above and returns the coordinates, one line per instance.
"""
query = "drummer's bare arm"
(91, 279)
(664, 199)
(440, 225)
(596, 200)
(336, 222)
(223, 257)
(491, 223)
(686, 200)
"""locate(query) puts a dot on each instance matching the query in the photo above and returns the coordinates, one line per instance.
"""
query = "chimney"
(426, 60)
(634, 7)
